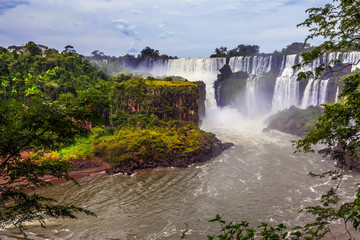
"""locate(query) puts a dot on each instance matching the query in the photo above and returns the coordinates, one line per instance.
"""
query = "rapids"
(260, 179)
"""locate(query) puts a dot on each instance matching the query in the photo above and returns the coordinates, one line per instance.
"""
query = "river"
(260, 179)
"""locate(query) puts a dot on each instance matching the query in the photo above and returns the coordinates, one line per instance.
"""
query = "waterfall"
(272, 83)
(286, 92)
(315, 93)
(352, 57)
(337, 99)
(255, 66)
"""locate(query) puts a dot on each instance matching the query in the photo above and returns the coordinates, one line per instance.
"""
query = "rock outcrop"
(210, 148)
(294, 120)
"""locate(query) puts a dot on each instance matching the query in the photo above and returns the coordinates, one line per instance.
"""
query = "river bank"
(211, 147)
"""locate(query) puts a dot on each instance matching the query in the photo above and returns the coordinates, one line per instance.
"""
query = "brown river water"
(260, 179)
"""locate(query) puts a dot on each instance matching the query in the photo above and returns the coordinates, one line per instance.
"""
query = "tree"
(148, 52)
(244, 50)
(339, 127)
(220, 52)
(296, 48)
(40, 124)
(240, 50)
(97, 55)
(339, 25)
(69, 49)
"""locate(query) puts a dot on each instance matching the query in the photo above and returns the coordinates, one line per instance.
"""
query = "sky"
(183, 28)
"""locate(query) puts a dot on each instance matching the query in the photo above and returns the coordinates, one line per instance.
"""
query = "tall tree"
(40, 124)
(339, 127)
(31, 119)
(148, 52)
(220, 52)
(339, 25)
(297, 47)
(240, 50)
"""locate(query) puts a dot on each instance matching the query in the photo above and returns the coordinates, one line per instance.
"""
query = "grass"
(80, 149)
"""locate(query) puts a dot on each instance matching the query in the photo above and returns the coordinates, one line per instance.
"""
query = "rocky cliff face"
(167, 99)
(230, 88)
(249, 94)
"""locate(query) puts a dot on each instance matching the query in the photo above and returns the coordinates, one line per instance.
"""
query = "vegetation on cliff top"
(240, 50)
(147, 52)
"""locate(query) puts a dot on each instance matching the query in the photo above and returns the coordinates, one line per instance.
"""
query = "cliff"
(232, 89)
(167, 99)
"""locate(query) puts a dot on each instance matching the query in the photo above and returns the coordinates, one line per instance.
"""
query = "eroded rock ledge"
(210, 148)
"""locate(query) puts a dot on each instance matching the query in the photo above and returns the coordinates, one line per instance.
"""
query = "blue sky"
(186, 28)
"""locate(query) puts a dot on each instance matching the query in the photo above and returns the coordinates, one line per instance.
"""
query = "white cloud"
(200, 25)
(126, 28)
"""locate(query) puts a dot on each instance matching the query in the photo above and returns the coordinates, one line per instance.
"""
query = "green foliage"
(148, 52)
(220, 52)
(240, 50)
(338, 24)
(54, 73)
(152, 142)
(79, 150)
(40, 124)
(46, 100)
(338, 128)
(242, 231)
(296, 48)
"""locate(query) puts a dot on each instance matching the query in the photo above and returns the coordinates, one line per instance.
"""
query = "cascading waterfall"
(351, 57)
(286, 90)
(315, 93)
(255, 66)
(337, 99)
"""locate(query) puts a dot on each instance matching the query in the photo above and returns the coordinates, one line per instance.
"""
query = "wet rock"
(325, 151)
(266, 129)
